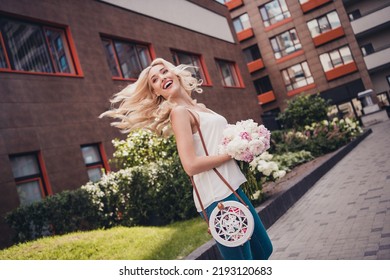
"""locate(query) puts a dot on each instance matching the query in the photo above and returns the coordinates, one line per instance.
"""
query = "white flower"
(244, 140)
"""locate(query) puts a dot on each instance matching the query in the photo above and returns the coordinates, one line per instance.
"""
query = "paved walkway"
(346, 214)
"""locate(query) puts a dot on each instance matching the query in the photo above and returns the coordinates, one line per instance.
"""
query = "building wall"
(310, 53)
(55, 114)
(373, 29)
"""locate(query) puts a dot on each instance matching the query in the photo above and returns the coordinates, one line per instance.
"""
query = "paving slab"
(346, 213)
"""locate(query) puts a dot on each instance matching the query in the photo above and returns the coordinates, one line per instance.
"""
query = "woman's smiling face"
(163, 81)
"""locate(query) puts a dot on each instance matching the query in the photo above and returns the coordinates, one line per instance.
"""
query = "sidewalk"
(346, 214)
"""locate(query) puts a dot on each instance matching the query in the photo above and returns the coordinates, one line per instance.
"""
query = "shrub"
(62, 213)
(153, 194)
(304, 110)
(318, 138)
(142, 147)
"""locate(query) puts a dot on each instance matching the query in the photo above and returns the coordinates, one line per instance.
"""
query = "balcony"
(232, 4)
(245, 34)
(377, 59)
(266, 97)
(313, 4)
(328, 36)
(255, 65)
(341, 71)
(371, 21)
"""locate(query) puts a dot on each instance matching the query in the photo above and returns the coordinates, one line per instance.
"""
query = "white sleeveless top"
(210, 187)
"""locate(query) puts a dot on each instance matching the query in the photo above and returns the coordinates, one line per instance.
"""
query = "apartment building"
(60, 63)
(370, 21)
(302, 46)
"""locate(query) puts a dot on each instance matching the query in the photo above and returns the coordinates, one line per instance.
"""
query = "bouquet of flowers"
(245, 140)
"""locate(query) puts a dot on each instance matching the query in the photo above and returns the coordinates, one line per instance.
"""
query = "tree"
(304, 110)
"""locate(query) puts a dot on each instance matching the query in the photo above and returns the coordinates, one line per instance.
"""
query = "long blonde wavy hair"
(140, 108)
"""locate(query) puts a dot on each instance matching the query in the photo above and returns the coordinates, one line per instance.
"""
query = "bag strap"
(215, 170)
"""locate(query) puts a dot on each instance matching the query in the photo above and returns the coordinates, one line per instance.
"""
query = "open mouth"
(167, 84)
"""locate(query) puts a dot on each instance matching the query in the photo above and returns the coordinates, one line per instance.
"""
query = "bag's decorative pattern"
(231, 223)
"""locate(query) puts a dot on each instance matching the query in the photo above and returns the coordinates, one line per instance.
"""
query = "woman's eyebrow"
(162, 68)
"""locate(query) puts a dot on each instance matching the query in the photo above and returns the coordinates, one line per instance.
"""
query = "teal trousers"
(259, 247)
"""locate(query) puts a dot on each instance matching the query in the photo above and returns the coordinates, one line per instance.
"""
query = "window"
(367, 49)
(93, 161)
(274, 12)
(28, 176)
(354, 15)
(285, 43)
(297, 76)
(34, 47)
(252, 53)
(126, 60)
(323, 24)
(241, 23)
(229, 73)
(336, 58)
(190, 59)
(263, 85)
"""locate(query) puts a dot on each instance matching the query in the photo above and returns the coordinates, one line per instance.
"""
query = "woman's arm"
(192, 164)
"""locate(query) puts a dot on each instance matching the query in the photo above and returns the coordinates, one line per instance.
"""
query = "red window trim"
(205, 71)
(42, 177)
(111, 38)
(279, 23)
(41, 188)
(232, 4)
(5, 53)
(341, 70)
(266, 97)
(47, 24)
(239, 77)
(245, 34)
(313, 4)
(301, 89)
(290, 56)
(44, 173)
(104, 158)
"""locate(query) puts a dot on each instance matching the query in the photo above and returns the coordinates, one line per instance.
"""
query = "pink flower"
(245, 136)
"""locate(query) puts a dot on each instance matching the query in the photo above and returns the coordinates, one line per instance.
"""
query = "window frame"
(249, 50)
(41, 176)
(232, 66)
(318, 29)
(306, 78)
(257, 84)
(112, 40)
(243, 24)
(277, 38)
(342, 58)
(102, 163)
(264, 11)
(68, 44)
(201, 68)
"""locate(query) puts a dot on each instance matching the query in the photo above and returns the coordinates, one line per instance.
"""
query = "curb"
(274, 207)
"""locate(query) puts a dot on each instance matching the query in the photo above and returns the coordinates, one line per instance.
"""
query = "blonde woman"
(160, 100)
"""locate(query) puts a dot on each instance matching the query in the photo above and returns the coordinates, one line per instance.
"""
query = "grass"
(171, 242)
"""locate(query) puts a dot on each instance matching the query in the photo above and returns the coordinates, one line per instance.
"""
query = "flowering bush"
(153, 194)
(318, 138)
(269, 169)
(289, 160)
(245, 140)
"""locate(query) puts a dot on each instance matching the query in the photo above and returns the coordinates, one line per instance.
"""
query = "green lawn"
(171, 242)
